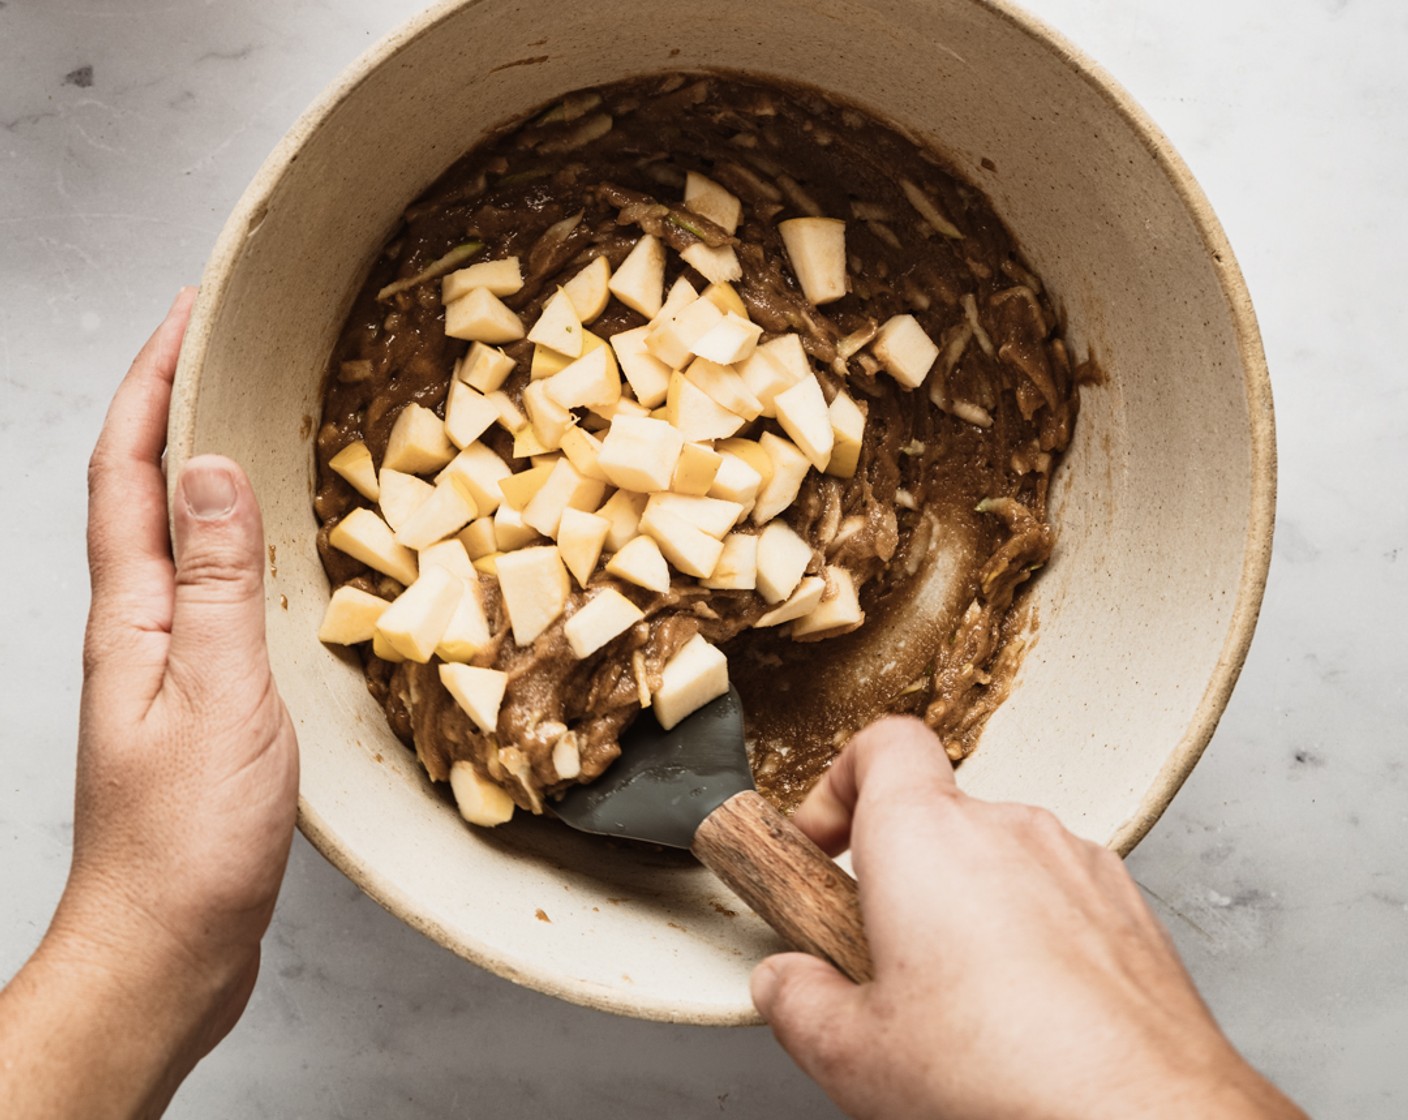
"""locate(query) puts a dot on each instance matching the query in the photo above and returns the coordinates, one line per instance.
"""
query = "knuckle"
(222, 573)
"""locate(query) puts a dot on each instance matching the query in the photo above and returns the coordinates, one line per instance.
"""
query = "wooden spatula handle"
(791, 883)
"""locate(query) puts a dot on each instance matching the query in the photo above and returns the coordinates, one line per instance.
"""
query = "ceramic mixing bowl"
(1164, 504)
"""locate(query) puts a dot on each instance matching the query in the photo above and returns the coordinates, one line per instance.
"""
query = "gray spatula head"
(666, 782)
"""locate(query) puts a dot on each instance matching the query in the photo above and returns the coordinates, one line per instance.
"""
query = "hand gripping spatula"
(690, 787)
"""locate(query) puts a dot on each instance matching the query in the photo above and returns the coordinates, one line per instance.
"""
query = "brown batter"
(966, 459)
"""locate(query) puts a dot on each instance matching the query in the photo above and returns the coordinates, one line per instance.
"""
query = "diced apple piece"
(401, 495)
(673, 339)
(622, 512)
(905, 350)
(580, 538)
(480, 801)
(549, 419)
(354, 463)
(480, 469)
(848, 433)
(639, 453)
(583, 450)
(640, 281)
(414, 623)
(803, 601)
(485, 368)
(547, 362)
(384, 650)
(567, 756)
(480, 316)
(559, 327)
(680, 296)
(592, 380)
(511, 418)
(589, 291)
(480, 692)
(789, 468)
(735, 481)
(450, 555)
(696, 674)
(783, 557)
(731, 340)
(752, 453)
(489, 564)
(535, 587)
(648, 376)
(527, 444)
(351, 616)
(695, 414)
(726, 299)
(566, 487)
(510, 530)
(468, 414)
(448, 510)
(502, 277)
(817, 249)
(709, 200)
(713, 516)
(623, 407)
(478, 537)
(787, 350)
(467, 632)
(690, 549)
(606, 615)
(717, 265)
(366, 537)
(696, 469)
(838, 611)
(641, 562)
(802, 412)
(725, 387)
(418, 443)
(737, 569)
(518, 489)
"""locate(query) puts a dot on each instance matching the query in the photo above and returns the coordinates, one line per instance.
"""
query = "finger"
(217, 626)
(812, 1009)
(894, 751)
(128, 551)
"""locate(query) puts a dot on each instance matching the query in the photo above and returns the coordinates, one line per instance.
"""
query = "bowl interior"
(1163, 505)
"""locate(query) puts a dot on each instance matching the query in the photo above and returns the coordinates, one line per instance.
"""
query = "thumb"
(217, 625)
(811, 1008)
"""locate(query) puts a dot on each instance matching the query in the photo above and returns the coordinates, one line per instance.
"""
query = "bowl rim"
(253, 204)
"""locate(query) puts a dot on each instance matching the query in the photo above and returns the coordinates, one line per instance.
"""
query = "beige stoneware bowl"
(1164, 505)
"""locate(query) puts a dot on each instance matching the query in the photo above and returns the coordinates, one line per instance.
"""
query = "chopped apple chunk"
(672, 340)
(838, 611)
(817, 249)
(584, 451)
(480, 469)
(647, 375)
(789, 468)
(535, 587)
(559, 327)
(351, 616)
(803, 414)
(622, 512)
(589, 291)
(717, 265)
(510, 531)
(905, 350)
(480, 316)
(415, 622)
(803, 601)
(709, 200)
(606, 615)
(485, 368)
(477, 538)
(448, 510)
(696, 674)
(697, 467)
(686, 546)
(480, 801)
(848, 432)
(418, 443)
(737, 569)
(354, 463)
(714, 516)
(401, 495)
(734, 481)
(726, 298)
(695, 414)
(725, 386)
(518, 489)
(565, 487)
(479, 692)
(641, 562)
(731, 340)
(783, 557)
(502, 277)
(366, 537)
(468, 629)
(640, 281)
(640, 453)
(550, 420)
(592, 380)
(581, 536)
(468, 414)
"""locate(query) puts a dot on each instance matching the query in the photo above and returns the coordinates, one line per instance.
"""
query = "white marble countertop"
(128, 128)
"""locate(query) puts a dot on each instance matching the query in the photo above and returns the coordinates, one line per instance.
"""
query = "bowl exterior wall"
(1163, 506)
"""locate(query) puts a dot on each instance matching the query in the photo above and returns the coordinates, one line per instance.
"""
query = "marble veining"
(128, 128)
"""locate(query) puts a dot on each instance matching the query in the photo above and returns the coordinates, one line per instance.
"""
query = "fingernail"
(762, 984)
(209, 491)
